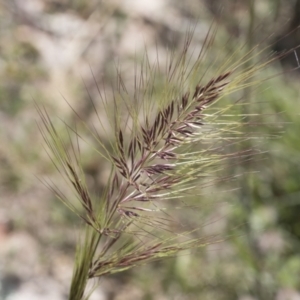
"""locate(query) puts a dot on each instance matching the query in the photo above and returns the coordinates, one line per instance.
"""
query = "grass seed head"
(160, 153)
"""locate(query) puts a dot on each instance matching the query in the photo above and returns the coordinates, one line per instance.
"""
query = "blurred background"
(47, 51)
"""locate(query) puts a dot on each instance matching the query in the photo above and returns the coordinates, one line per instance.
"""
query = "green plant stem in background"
(256, 257)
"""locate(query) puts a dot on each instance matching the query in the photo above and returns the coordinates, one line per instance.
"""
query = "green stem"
(84, 259)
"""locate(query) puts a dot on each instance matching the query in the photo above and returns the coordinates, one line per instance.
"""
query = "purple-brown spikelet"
(150, 165)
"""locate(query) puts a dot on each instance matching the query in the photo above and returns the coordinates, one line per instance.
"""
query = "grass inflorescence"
(164, 148)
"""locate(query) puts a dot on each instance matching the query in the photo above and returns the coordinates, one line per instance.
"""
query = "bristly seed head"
(152, 164)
